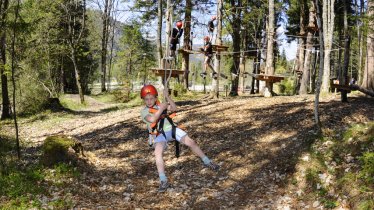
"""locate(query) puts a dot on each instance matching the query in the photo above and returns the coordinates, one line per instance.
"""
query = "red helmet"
(214, 17)
(148, 89)
(206, 38)
(179, 24)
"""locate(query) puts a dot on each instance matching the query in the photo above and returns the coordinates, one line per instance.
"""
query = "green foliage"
(61, 204)
(367, 172)
(137, 53)
(22, 186)
(366, 205)
(17, 183)
(330, 203)
(287, 86)
(7, 145)
(180, 88)
(33, 99)
(311, 176)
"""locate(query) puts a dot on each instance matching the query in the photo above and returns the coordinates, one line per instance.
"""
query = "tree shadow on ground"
(257, 148)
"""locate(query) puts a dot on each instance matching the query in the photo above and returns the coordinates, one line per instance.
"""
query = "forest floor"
(257, 142)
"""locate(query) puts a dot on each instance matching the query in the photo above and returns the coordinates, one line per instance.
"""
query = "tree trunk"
(217, 61)
(270, 48)
(256, 69)
(270, 39)
(186, 41)
(62, 76)
(4, 80)
(236, 25)
(77, 77)
(321, 67)
(104, 43)
(159, 32)
(304, 83)
(347, 43)
(169, 8)
(328, 30)
(14, 80)
(303, 31)
(314, 72)
(360, 41)
(368, 77)
(241, 72)
(74, 40)
(113, 25)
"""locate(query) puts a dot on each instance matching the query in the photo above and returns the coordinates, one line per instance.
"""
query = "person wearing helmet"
(208, 52)
(149, 94)
(211, 26)
(175, 35)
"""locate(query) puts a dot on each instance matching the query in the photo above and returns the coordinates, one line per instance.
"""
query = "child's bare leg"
(205, 67)
(159, 150)
(196, 149)
(193, 146)
(211, 67)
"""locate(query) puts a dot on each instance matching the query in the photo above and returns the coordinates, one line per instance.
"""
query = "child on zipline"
(149, 95)
(208, 52)
(175, 35)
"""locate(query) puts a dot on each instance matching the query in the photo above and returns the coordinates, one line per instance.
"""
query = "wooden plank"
(269, 78)
(161, 72)
(220, 48)
(190, 51)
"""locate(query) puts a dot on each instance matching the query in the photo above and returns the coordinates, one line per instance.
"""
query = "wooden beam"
(161, 72)
(268, 78)
(190, 51)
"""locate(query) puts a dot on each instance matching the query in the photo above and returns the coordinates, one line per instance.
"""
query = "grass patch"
(107, 97)
(348, 157)
(25, 187)
(68, 103)
(189, 95)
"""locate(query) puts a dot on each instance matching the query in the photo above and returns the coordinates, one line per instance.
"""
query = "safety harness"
(157, 127)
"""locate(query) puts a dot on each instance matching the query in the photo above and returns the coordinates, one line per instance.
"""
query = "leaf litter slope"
(257, 141)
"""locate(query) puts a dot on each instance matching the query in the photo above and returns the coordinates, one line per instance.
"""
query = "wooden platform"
(161, 72)
(342, 87)
(268, 78)
(220, 48)
(190, 51)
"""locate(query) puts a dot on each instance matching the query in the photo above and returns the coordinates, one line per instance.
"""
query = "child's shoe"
(212, 166)
(163, 186)
(214, 75)
(203, 75)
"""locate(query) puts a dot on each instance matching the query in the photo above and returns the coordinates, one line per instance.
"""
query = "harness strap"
(173, 135)
(156, 131)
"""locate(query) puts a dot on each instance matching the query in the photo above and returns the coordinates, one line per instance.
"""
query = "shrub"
(287, 86)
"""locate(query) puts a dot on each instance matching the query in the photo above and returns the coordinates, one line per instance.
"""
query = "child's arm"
(153, 118)
(172, 106)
